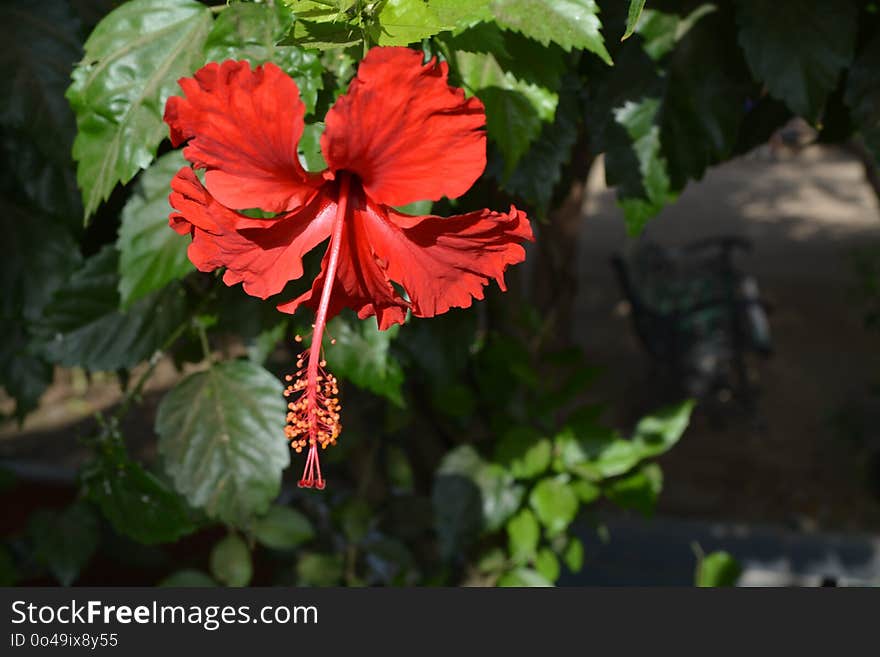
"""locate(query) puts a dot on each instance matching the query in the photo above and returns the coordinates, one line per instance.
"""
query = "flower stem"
(329, 275)
(312, 471)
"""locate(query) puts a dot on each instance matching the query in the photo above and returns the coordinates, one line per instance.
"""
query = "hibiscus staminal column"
(313, 419)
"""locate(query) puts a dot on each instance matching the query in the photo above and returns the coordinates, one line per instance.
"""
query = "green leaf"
(416, 208)
(523, 534)
(511, 122)
(408, 21)
(657, 433)
(264, 343)
(247, 31)
(41, 43)
(717, 569)
(624, 113)
(355, 518)
(547, 563)
(319, 10)
(525, 59)
(863, 95)
(573, 556)
(283, 528)
(220, 434)
(83, 326)
(523, 577)
(554, 503)
(638, 490)
(231, 561)
(482, 71)
(310, 154)
(593, 451)
(35, 243)
(590, 450)
(471, 496)
(323, 36)
(189, 578)
(461, 13)
(569, 23)
(492, 561)
(638, 120)
(514, 109)
(64, 540)
(150, 253)
(586, 491)
(524, 451)
(660, 31)
(132, 62)
(136, 503)
(400, 472)
(632, 19)
(361, 355)
(315, 569)
(539, 172)
(402, 22)
(707, 86)
(798, 48)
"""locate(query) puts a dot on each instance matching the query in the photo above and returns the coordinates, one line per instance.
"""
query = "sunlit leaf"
(569, 23)
(523, 534)
(514, 109)
(632, 19)
(547, 563)
(132, 62)
(638, 490)
(717, 569)
(573, 556)
(523, 577)
(524, 451)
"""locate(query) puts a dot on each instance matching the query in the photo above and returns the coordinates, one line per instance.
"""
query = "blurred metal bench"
(696, 313)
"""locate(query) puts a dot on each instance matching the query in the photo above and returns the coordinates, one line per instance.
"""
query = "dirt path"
(805, 214)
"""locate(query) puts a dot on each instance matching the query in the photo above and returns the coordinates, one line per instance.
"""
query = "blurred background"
(690, 399)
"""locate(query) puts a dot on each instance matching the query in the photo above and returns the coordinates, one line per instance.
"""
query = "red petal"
(243, 127)
(262, 254)
(444, 263)
(360, 282)
(407, 134)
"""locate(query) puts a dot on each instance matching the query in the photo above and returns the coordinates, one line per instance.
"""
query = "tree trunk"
(555, 278)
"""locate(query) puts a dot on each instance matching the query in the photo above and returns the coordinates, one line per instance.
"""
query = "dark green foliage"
(468, 453)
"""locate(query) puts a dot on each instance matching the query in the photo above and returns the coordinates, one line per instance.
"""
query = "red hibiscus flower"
(400, 134)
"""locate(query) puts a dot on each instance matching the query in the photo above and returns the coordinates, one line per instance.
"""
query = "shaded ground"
(662, 552)
(792, 464)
